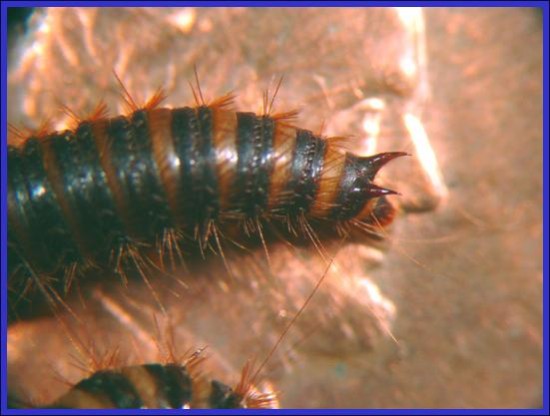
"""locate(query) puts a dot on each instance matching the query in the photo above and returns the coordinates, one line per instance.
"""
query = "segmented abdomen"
(158, 386)
(76, 197)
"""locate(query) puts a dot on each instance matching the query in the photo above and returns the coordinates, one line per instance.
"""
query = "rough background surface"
(460, 288)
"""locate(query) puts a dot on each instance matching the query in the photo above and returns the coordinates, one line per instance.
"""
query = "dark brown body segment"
(149, 386)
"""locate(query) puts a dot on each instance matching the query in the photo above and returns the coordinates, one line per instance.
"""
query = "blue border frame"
(3, 195)
(3, 208)
(276, 3)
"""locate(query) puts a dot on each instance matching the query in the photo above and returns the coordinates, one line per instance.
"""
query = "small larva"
(100, 193)
(159, 386)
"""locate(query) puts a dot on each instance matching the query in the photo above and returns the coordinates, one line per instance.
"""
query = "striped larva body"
(159, 386)
(98, 193)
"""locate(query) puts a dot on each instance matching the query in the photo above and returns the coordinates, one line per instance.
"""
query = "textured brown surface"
(461, 287)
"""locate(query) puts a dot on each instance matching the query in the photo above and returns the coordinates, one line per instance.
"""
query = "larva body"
(91, 195)
(159, 386)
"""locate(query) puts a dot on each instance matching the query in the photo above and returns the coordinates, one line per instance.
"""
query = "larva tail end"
(372, 164)
(376, 191)
(383, 214)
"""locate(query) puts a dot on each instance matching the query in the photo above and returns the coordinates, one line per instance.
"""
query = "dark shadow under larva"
(173, 180)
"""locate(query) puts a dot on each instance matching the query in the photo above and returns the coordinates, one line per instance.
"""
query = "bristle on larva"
(97, 194)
